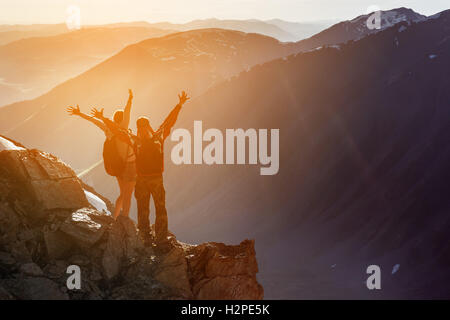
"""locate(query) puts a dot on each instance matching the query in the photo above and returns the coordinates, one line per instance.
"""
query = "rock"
(9, 224)
(56, 269)
(47, 181)
(132, 244)
(101, 217)
(79, 260)
(114, 252)
(5, 295)
(59, 194)
(7, 261)
(82, 229)
(27, 235)
(229, 288)
(122, 248)
(95, 274)
(20, 252)
(35, 288)
(58, 244)
(172, 271)
(31, 269)
(217, 270)
(231, 260)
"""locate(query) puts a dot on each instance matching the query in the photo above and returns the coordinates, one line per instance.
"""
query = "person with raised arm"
(118, 153)
(149, 149)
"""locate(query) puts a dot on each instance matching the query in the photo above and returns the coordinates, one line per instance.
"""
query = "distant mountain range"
(35, 58)
(32, 66)
(50, 54)
(356, 29)
(10, 33)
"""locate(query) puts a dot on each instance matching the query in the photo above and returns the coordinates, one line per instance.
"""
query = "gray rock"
(57, 269)
(82, 229)
(6, 259)
(114, 252)
(20, 252)
(172, 271)
(35, 288)
(58, 244)
(59, 194)
(31, 269)
(122, 246)
(5, 295)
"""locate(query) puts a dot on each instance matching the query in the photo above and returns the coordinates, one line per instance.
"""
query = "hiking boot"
(164, 245)
(146, 238)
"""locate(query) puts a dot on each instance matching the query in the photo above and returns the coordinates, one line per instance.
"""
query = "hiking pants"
(145, 188)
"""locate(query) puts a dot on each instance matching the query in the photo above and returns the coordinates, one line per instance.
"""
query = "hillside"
(356, 28)
(364, 134)
(247, 26)
(32, 66)
(10, 33)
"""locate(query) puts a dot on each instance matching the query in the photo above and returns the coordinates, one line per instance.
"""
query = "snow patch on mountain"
(8, 145)
(96, 202)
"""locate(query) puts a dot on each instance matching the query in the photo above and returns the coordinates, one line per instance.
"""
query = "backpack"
(150, 156)
(113, 162)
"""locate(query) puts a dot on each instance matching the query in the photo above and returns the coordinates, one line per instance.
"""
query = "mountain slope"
(357, 28)
(10, 33)
(301, 30)
(33, 66)
(247, 26)
(364, 142)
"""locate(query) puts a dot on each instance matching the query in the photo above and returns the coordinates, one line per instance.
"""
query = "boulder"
(5, 295)
(31, 269)
(45, 179)
(114, 252)
(35, 288)
(82, 229)
(172, 271)
(217, 271)
(7, 262)
(57, 243)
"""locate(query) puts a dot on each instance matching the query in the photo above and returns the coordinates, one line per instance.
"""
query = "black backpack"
(149, 156)
(113, 162)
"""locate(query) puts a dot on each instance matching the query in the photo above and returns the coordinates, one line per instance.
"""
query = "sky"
(178, 11)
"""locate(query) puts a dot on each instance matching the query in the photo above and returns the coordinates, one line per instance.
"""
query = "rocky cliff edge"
(49, 221)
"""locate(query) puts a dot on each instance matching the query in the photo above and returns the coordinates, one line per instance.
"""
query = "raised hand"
(183, 98)
(97, 113)
(74, 111)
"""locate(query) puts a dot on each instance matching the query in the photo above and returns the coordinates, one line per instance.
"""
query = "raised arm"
(126, 112)
(113, 127)
(169, 122)
(75, 111)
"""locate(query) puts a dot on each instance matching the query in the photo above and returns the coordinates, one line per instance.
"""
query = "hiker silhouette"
(137, 161)
(118, 152)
